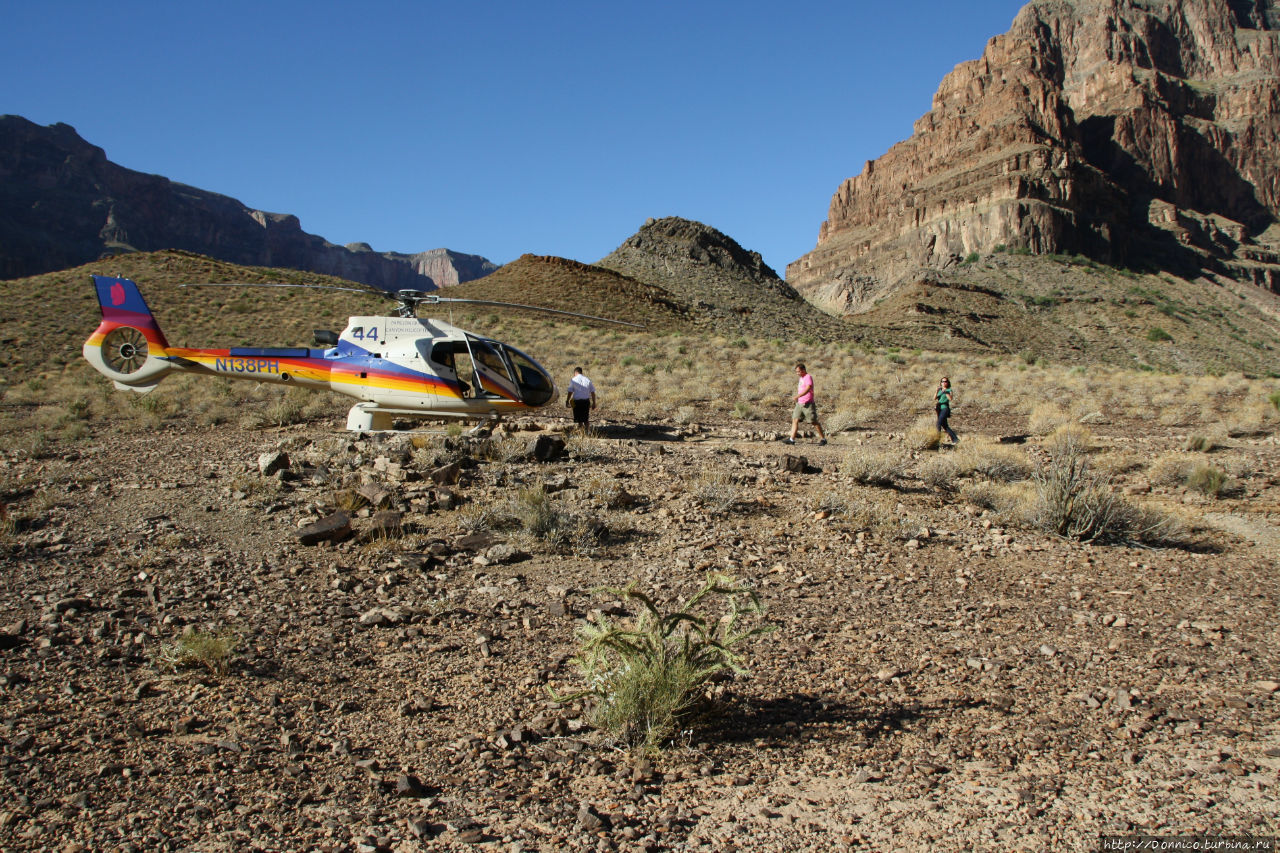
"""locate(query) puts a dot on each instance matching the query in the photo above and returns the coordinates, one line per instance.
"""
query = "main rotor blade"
(380, 293)
(432, 300)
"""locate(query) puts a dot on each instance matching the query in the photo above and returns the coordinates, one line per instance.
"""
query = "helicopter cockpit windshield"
(536, 387)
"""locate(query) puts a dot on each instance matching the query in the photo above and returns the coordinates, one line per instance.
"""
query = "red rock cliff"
(1110, 128)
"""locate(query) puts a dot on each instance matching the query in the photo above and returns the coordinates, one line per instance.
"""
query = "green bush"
(1155, 333)
(1207, 480)
(211, 651)
(649, 679)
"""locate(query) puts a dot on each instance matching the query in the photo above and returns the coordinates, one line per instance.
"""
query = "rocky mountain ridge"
(1133, 133)
(63, 203)
(728, 287)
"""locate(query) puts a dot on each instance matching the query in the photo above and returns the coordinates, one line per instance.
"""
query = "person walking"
(806, 409)
(942, 405)
(582, 397)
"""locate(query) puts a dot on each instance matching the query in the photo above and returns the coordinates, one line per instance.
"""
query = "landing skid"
(367, 417)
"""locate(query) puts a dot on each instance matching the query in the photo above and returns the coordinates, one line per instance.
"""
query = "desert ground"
(943, 673)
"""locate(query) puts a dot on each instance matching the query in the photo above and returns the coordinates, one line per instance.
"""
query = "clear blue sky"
(498, 128)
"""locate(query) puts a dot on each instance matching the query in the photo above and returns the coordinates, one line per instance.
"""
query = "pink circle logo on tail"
(117, 294)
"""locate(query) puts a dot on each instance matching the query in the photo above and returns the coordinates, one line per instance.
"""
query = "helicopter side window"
(445, 354)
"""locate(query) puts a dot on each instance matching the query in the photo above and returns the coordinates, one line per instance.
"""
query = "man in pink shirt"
(806, 409)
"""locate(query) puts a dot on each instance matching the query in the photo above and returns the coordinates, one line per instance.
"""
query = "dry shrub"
(873, 468)
(1070, 438)
(924, 434)
(1007, 501)
(685, 415)
(988, 461)
(716, 492)
(941, 472)
(504, 449)
(587, 445)
(478, 517)
(1046, 418)
(1171, 469)
(1208, 480)
(1074, 501)
(1199, 444)
(841, 420)
(1253, 419)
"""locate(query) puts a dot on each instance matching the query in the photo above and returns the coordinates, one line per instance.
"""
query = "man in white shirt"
(583, 396)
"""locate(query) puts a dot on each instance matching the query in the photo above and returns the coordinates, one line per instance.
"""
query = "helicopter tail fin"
(128, 346)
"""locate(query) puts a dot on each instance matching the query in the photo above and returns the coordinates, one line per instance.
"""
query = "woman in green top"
(942, 405)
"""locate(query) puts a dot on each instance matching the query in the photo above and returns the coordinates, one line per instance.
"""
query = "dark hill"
(731, 290)
(567, 285)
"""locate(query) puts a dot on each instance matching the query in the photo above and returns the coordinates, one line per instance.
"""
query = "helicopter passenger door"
(456, 375)
(493, 376)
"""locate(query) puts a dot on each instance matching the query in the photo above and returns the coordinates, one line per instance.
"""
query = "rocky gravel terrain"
(937, 681)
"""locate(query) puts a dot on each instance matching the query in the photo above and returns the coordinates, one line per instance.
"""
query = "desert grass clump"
(716, 492)
(1274, 399)
(1007, 501)
(1170, 470)
(1199, 444)
(999, 464)
(1046, 418)
(587, 444)
(212, 651)
(1074, 501)
(990, 462)
(650, 677)
(924, 434)
(478, 517)
(872, 468)
(685, 415)
(842, 419)
(541, 519)
(1208, 480)
(537, 513)
(940, 472)
(830, 505)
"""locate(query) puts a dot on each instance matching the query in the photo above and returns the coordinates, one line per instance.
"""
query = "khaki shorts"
(807, 412)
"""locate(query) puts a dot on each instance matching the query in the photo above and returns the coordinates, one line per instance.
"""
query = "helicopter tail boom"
(128, 346)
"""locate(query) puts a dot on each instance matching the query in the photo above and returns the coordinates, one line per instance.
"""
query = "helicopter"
(401, 366)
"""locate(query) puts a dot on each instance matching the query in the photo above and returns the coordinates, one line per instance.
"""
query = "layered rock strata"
(1132, 133)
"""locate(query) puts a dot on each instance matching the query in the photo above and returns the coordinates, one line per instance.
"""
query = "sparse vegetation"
(873, 468)
(650, 677)
(1208, 480)
(208, 650)
(716, 492)
(1075, 501)
(1199, 444)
